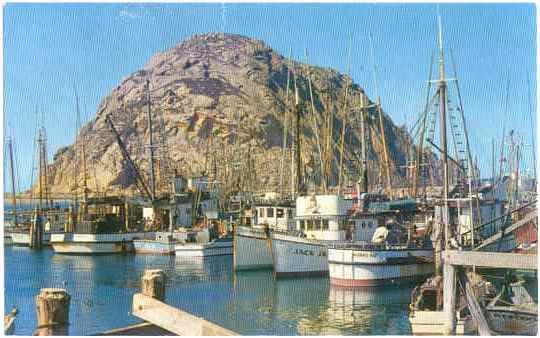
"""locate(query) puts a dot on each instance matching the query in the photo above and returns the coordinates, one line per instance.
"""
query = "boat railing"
(368, 246)
(499, 224)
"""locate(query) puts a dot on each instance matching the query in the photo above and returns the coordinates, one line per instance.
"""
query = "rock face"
(220, 105)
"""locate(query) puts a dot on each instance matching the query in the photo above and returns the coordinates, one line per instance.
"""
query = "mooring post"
(449, 294)
(36, 230)
(52, 306)
(153, 284)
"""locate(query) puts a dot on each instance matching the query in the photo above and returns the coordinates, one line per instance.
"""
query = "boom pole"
(142, 186)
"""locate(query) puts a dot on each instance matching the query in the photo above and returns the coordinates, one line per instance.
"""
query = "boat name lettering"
(307, 252)
(363, 254)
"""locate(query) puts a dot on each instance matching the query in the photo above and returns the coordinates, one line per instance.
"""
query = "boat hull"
(8, 240)
(294, 256)
(360, 268)
(214, 248)
(153, 247)
(252, 249)
(512, 322)
(23, 238)
(433, 323)
(91, 247)
(96, 243)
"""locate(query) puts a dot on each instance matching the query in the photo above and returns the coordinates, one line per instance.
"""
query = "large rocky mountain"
(220, 105)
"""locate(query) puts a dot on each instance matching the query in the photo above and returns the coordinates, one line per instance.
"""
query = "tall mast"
(45, 169)
(364, 177)
(316, 130)
(285, 125)
(298, 111)
(444, 147)
(151, 143)
(13, 190)
(83, 151)
(381, 123)
(40, 168)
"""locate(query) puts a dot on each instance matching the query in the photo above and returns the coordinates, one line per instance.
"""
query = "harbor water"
(252, 303)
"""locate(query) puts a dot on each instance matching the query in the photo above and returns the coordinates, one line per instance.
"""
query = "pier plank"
(491, 259)
(174, 320)
(144, 329)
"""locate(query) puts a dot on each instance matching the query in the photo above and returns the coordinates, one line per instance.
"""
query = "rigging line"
(345, 118)
(461, 112)
(285, 123)
(420, 149)
(315, 124)
(533, 130)
(382, 133)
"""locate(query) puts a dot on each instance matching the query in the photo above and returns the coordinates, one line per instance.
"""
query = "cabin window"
(363, 225)
(325, 224)
(309, 225)
(302, 225)
(269, 212)
(279, 213)
(290, 213)
(317, 224)
(261, 212)
(256, 213)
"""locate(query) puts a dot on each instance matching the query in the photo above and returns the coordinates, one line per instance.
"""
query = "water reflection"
(252, 303)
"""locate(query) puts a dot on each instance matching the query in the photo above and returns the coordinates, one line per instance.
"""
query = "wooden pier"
(163, 319)
(454, 259)
(52, 307)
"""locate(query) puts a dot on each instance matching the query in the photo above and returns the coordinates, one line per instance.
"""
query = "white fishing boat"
(372, 265)
(79, 243)
(321, 220)
(163, 244)
(216, 247)
(252, 249)
(22, 238)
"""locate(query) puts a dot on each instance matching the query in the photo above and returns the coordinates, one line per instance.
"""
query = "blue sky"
(49, 47)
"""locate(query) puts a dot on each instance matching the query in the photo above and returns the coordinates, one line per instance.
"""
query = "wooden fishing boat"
(163, 244)
(78, 243)
(251, 243)
(372, 265)
(513, 311)
(217, 247)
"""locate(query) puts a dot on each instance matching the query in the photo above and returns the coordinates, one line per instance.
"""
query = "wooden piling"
(153, 284)
(449, 294)
(36, 231)
(149, 306)
(52, 307)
